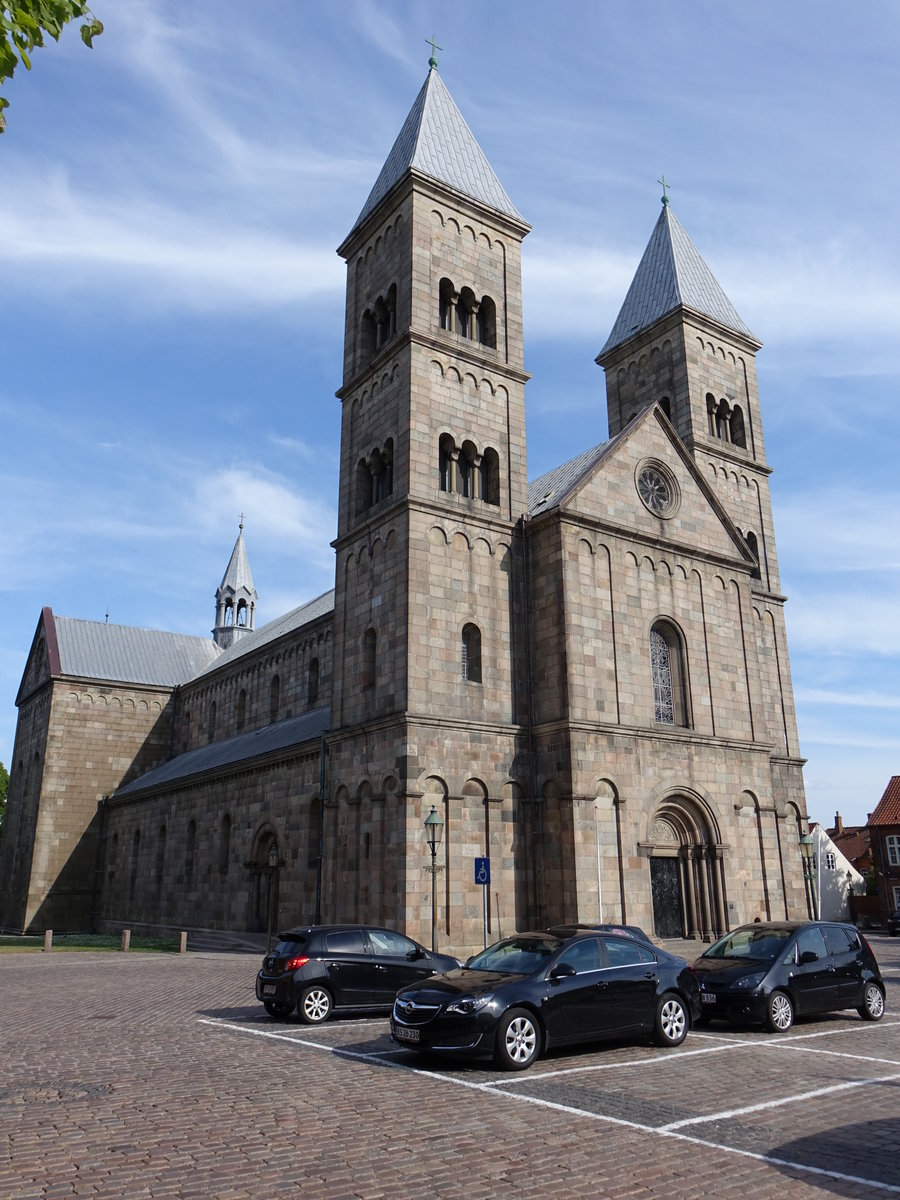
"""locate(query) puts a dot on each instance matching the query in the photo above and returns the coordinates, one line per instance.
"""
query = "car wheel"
(518, 1040)
(314, 1006)
(779, 1012)
(872, 1007)
(276, 1009)
(671, 1024)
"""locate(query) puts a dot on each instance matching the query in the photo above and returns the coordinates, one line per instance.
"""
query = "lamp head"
(434, 827)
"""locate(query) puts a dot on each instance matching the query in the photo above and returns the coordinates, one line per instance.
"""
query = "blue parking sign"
(483, 871)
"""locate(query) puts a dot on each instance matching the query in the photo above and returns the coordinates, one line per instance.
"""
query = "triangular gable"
(43, 657)
(607, 491)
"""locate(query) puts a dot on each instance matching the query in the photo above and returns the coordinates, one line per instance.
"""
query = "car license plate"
(707, 998)
(268, 989)
(406, 1035)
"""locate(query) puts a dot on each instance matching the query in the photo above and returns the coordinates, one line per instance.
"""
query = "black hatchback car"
(322, 968)
(772, 971)
(536, 990)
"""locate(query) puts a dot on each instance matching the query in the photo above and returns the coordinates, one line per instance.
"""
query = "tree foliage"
(25, 23)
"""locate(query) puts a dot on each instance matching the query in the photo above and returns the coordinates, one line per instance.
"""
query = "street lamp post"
(807, 850)
(272, 871)
(434, 827)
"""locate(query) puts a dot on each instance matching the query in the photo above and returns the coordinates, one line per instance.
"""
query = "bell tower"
(235, 597)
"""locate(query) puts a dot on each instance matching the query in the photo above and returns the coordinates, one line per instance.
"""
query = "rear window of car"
(348, 941)
(840, 939)
(288, 949)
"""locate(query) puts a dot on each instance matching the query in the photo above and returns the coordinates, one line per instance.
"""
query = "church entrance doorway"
(264, 884)
(687, 880)
(668, 918)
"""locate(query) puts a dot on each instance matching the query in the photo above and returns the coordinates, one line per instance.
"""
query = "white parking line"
(727, 1114)
(673, 1130)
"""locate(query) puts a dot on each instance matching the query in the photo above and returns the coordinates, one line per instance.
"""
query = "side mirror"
(562, 971)
(808, 956)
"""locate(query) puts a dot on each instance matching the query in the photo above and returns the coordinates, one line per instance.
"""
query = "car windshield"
(518, 956)
(762, 944)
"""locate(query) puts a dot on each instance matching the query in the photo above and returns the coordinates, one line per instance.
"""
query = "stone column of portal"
(688, 872)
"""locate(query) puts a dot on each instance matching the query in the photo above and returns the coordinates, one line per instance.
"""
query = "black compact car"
(772, 971)
(536, 990)
(322, 968)
(893, 923)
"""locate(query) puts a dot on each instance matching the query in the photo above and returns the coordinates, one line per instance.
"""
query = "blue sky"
(170, 203)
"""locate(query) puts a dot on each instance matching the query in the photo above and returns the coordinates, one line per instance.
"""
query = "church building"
(584, 678)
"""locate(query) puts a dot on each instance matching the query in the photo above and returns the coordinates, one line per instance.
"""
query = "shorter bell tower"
(235, 597)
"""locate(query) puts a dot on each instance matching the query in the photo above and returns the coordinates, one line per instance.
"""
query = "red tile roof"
(888, 810)
(855, 844)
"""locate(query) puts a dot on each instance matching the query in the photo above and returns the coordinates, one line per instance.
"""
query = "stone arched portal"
(687, 881)
(263, 897)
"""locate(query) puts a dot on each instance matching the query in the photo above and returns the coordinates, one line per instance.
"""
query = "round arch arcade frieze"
(656, 486)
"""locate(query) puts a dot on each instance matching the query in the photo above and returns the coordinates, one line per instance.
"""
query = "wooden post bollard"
(126, 939)
(48, 939)
(182, 942)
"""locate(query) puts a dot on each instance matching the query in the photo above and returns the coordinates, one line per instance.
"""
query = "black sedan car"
(319, 969)
(536, 990)
(772, 971)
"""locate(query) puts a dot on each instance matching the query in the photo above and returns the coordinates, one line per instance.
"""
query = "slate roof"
(888, 810)
(672, 275)
(231, 752)
(436, 141)
(251, 642)
(120, 653)
(237, 573)
(549, 489)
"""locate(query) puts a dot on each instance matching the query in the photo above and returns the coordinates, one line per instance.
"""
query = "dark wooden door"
(667, 915)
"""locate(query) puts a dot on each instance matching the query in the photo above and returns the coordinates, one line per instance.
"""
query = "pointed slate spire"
(672, 275)
(436, 141)
(236, 597)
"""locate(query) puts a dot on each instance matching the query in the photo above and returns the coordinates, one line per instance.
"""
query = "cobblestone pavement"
(160, 1076)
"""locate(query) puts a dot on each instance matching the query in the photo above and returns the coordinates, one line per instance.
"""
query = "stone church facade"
(586, 677)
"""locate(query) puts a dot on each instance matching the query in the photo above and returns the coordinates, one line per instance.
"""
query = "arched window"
(190, 851)
(738, 431)
(754, 550)
(312, 684)
(315, 832)
(666, 405)
(367, 336)
(363, 486)
(113, 859)
(241, 710)
(471, 653)
(160, 854)
(446, 304)
(668, 674)
(445, 462)
(370, 642)
(723, 414)
(487, 322)
(135, 858)
(225, 844)
(382, 323)
(242, 612)
(211, 724)
(466, 470)
(490, 474)
(466, 308)
(229, 612)
(274, 698)
(711, 413)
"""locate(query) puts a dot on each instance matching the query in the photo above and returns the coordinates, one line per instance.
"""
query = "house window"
(668, 674)
(830, 862)
(471, 653)
(892, 843)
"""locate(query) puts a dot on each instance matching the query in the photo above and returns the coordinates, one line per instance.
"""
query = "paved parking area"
(138, 1075)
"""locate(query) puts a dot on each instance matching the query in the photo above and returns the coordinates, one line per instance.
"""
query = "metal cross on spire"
(432, 42)
(241, 526)
(665, 188)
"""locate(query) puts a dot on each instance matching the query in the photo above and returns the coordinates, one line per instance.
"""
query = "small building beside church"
(586, 676)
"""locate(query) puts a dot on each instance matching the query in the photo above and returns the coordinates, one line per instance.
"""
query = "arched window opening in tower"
(487, 322)
(738, 431)
(242, 612)
(465, 470)
(667, 669)
(466, 312)
(229, 612)
(723, 418)
(370, 643)
(666, 405)
(446, 304)
(471, 653)
(446, 452)
(753, 544)
(367, 334)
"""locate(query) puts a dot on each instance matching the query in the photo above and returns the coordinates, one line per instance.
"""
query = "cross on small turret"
(665, 188)
(432, 42)
(241, 526)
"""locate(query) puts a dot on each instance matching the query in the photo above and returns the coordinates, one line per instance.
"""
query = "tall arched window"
(446, 304)
(225, 844)
(211, 724)
(471, 653)
(135, 858)
(738, 431)
(160, 854)
(466, 307)
(445, 459)
(312, 684)
(490, 475)
(367, 336)
(668, 673)
(241, 709)
(367, 675)
(666, 405)
(487, 322)
(190, 851)
(274, 698)
(754, 550)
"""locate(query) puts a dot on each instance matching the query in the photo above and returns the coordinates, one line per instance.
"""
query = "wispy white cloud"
(841, 699)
